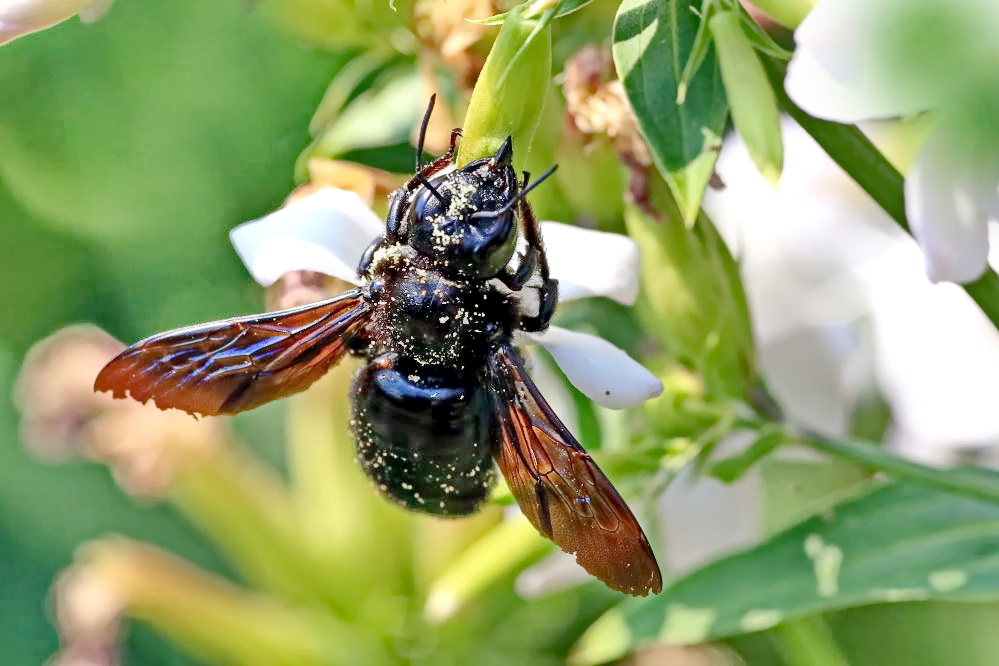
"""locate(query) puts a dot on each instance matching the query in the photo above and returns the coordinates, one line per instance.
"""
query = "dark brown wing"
(236, 364)
(559, 487)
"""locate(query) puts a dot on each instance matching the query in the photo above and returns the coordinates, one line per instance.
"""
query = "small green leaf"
(699, 51)
(732, 468)
(534, 8)
(901, 542)
(754, 107)
(761, 39)
(652, 41)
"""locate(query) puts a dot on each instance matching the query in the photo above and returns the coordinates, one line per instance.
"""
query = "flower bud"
(509, 96)
(788, 13)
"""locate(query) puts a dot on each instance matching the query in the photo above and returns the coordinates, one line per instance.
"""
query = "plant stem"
(808, 641)
(865, 164)
(970, 481)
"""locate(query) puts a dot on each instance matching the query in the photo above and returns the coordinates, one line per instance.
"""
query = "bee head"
(465, 217)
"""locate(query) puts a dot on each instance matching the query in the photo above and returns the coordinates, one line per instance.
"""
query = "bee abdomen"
(425, 440)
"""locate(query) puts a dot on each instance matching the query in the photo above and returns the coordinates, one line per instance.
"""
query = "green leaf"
(343, 85)
(754, 107)
(652, 42)
(534, 8)
(761, 39)
(898, 543)
(731, 469)
(698, 50)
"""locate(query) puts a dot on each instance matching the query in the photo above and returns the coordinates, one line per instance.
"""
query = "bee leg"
(536, 259)
(369, 255)
(398, 205)
(528, 264)
(547, 299)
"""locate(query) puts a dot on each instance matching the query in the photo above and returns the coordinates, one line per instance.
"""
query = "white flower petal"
(592, 263)
(21, 17)
(850, 62)
(603, 372)
(831, 74)
(948, 202)
(325, 232)
(937, 360)
(822, 91)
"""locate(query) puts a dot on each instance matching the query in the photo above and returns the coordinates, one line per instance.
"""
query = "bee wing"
(232, 365)
(559, 487)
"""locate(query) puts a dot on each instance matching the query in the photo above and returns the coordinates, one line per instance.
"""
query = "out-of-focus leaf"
(693, 296)
(732, 468)
(898, 543)
(384, 115)
(977, 482)
(652, 41)
(345, 82)
(340, 24)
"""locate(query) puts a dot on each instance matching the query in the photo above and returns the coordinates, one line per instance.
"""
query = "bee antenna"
(517, 199)
(419, 151)
(423, 136)
(433, 190)
(540, 179)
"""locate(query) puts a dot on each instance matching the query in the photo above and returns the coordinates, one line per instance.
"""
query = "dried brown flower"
(597, 104)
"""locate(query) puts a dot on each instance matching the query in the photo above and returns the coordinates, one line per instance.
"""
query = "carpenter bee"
(443, 393)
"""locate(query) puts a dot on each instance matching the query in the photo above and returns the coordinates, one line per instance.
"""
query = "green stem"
(808, 641)
(969, 481)
(865, 164)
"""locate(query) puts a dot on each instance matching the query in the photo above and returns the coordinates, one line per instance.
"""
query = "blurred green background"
(128, 149)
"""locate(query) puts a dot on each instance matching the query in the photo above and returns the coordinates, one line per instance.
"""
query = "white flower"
(22, 17)
(329, 230)
(842, 307)
(858, 60)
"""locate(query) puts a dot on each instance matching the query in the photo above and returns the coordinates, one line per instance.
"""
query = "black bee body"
(443, 393)
(422, 421)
